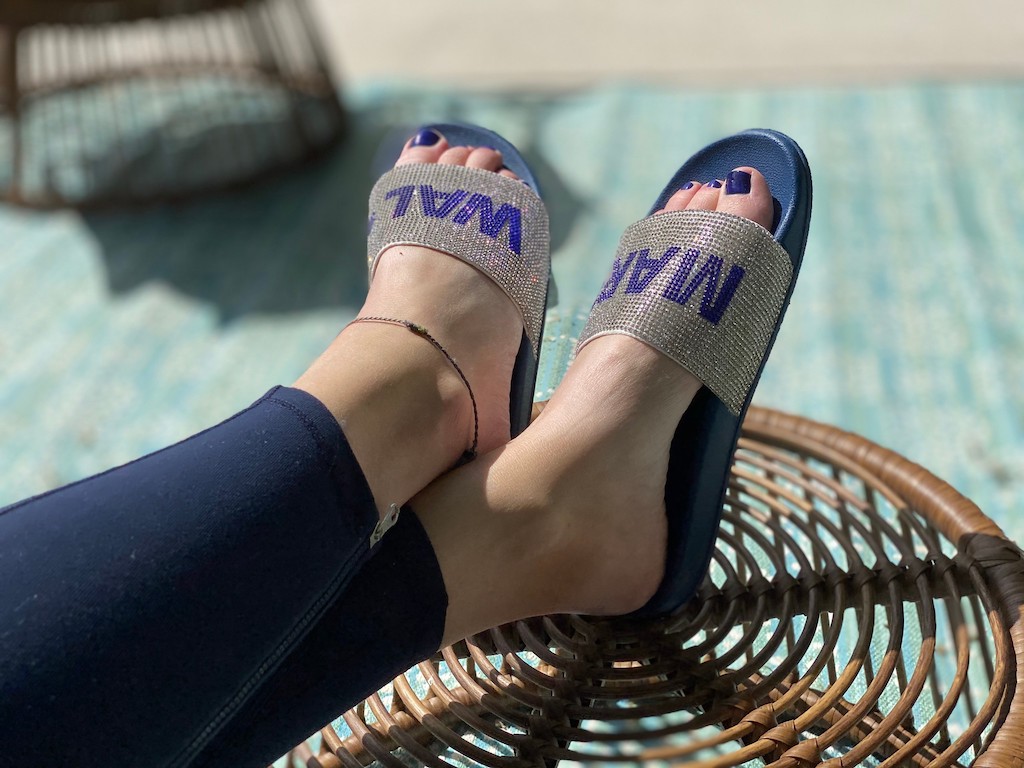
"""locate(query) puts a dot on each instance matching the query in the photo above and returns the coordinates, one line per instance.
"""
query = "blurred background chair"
(117, 101)
(859, 611)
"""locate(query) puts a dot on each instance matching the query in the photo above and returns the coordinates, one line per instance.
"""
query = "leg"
(400, 402)
(570, 516)
(140, 603)
(142, 607)
(391, 617)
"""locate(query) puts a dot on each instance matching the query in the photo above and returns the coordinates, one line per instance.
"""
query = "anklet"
(469, 454)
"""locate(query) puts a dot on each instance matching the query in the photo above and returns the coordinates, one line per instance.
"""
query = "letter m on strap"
(492, 222)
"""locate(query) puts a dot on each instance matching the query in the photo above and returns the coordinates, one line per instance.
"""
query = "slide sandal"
(496, 224)
(708, 289)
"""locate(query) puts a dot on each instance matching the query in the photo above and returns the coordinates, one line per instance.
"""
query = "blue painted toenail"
(689, 185)
(715, 183)
(737, 183)
(426, 138)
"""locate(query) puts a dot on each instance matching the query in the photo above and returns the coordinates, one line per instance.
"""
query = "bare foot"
(405, 411)
(575, 511)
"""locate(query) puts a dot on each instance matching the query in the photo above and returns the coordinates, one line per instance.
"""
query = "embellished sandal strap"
(496, 224)
(703, 287)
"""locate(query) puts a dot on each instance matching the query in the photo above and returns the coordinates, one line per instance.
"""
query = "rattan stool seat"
(859, 611)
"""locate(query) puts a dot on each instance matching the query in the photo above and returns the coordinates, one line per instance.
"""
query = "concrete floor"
(545, 44)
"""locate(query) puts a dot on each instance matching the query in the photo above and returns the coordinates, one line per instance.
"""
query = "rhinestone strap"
(496, 224)
(703, 287)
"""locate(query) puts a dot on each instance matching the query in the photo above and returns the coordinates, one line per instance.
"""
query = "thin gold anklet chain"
(419, 330)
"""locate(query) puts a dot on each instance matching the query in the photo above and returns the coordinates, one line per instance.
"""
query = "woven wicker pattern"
(858, 612)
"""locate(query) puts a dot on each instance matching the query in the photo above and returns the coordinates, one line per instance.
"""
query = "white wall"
(558, 43)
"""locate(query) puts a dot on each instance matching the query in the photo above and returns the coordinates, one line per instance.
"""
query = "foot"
(628, 398)
(581, 493)
(404, 408)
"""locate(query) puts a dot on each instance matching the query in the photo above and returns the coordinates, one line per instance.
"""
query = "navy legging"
(211, 603)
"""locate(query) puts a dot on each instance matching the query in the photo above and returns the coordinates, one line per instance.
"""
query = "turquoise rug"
(122, 332)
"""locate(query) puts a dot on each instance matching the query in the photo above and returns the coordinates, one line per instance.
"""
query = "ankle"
(405, 411)
(620, 388)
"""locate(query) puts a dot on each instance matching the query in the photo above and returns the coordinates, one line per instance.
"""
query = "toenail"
(737, 183)
(715, 183)
(426, 138)
(493, 149)
(689, 185)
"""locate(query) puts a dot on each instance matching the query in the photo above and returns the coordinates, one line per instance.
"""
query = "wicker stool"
(123, 101)
(859, 611)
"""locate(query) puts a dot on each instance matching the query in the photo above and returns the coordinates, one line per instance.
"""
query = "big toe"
(426, 146)
(745, 193)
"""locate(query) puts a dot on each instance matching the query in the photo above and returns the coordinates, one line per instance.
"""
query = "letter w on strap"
(492, 222)
(429, 197)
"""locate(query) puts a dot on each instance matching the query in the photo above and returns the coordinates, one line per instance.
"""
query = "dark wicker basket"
(859, 611)
(127, 101)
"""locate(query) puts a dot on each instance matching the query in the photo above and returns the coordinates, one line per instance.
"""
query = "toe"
(427, 146)
(706, 198)
(746, 194)
(430, 146)
(455, 156)
(682, 197)
(484, 157)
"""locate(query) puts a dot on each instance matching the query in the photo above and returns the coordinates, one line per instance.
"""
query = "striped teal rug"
(122, 332)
